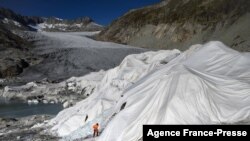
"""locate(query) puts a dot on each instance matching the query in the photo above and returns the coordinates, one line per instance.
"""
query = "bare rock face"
(179, 24)
(11, 68)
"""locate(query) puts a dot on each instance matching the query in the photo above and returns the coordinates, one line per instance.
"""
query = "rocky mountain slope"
(179, 24)
(12, 20)
(14, 54)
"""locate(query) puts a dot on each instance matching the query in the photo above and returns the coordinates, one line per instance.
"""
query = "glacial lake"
(19, 109)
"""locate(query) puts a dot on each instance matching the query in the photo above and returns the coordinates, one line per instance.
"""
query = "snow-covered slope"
(207, 84)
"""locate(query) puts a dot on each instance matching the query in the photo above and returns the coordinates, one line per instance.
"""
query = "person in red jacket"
(96, 129)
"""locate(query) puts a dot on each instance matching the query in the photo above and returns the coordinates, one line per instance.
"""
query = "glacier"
(207, 84)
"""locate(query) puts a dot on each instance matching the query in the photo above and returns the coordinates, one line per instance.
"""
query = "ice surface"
(73, 54)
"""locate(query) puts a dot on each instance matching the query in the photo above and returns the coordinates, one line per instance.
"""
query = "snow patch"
(9, 21)
(59, 19)
(17, 23)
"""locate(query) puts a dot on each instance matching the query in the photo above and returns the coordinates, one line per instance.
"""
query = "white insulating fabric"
(207, 84)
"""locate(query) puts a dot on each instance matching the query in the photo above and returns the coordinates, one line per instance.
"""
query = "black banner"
(163, 132)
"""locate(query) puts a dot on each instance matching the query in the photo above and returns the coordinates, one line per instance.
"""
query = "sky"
(102, 11)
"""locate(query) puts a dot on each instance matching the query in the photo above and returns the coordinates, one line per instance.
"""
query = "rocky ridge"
(179, 24)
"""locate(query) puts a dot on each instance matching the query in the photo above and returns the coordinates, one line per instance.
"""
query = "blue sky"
(102, 11)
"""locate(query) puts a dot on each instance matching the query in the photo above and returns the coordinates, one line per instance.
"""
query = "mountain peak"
(48, 24)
